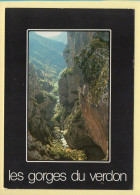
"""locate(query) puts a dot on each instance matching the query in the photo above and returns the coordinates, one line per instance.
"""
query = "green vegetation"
(67, 72)
(60, 113)
(44, 95)
(48, 119)
(46, 54)
(39, 129)
(45, 63)
(40, 98)
(95, 68)
(55, 89)
(74, 117)
(58, 152)
(101, 86)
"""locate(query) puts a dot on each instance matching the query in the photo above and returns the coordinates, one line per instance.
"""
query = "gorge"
(68, 97)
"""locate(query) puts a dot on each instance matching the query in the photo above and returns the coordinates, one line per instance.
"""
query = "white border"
(109, 155)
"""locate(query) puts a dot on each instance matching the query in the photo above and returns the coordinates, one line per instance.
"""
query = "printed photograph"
(68, 95)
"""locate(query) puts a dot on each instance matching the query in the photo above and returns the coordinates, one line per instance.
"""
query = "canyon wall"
(84, 93)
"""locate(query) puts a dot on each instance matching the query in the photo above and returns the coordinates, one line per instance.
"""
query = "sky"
(48, 34)
(54, 35)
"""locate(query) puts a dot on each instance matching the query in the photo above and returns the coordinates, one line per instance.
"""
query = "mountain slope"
(46, 54)
(45, 63)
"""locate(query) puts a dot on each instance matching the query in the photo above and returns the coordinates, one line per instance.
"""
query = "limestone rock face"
(85, 86)
(63, 90)
(76, 42)
(96, 121)
(69, 89)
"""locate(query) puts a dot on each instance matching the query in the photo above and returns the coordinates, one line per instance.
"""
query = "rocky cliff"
(40, 107)
(84, 93)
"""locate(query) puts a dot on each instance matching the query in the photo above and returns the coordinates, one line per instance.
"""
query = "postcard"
(69, 92)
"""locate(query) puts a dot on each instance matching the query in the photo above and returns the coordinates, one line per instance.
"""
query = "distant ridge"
(45, 53)
(61, 37)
